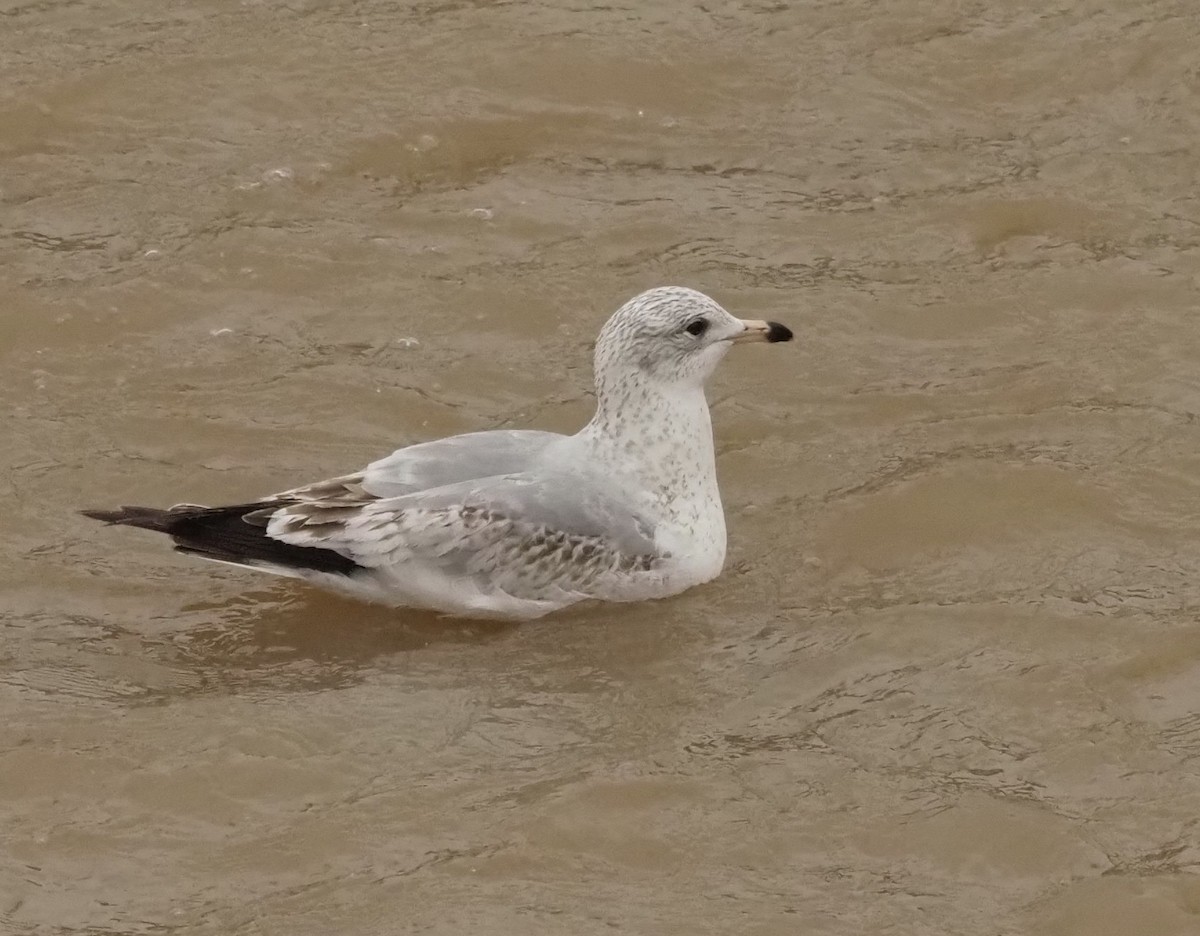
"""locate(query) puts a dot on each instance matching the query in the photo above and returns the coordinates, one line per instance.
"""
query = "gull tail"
(236, 534)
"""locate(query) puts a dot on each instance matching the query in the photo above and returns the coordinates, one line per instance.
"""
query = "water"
(950, 680)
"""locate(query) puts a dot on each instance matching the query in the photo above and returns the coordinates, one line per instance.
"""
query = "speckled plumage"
(518, 523)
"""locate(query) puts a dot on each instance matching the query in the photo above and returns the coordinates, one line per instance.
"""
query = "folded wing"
(531, 537)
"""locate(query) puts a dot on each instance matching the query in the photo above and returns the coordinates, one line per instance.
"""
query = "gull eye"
(697, 328)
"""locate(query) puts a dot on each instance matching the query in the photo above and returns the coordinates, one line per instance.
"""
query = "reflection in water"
(292, 637)
(279, 640)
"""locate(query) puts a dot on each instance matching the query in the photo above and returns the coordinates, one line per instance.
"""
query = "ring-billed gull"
(517, 523)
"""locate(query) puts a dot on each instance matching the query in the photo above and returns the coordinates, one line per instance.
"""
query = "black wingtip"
(227, 534)
(107, 516)
(148, 518)
(777, 332)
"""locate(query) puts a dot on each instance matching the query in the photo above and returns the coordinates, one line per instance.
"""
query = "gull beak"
(763, 331)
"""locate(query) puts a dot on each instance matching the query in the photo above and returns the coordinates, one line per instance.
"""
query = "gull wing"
(524, 535)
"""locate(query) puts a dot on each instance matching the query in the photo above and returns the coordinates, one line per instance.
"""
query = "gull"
(516, 523)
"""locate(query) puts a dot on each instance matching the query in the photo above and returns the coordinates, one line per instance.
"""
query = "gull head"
(673, 336)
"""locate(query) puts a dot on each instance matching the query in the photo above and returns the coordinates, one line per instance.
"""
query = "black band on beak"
(778, 332)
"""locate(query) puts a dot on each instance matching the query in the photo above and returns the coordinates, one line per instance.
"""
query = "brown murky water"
(950, 681)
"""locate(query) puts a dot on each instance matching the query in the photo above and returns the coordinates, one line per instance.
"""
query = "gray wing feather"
(581, 504)
(458, 458)
(487, 506)
(522, 533)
